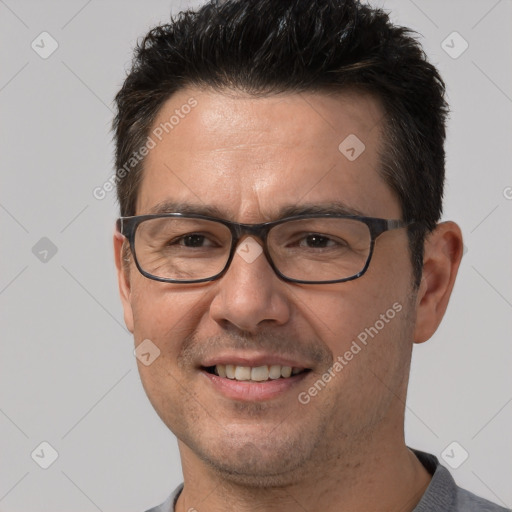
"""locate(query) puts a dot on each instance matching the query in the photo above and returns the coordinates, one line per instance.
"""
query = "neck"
(383, 477)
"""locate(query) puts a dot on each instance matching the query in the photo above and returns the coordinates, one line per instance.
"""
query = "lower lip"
(251, 391)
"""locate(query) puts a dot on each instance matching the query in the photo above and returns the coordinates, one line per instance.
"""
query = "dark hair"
(266, 47)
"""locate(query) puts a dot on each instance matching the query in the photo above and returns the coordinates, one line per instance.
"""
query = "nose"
(250, 295)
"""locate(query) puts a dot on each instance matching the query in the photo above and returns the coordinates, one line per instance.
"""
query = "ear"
(442, 256)
(123, 278)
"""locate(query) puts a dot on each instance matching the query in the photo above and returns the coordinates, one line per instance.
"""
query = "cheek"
(369, 335)
(342, 313)
(371, 346)
(166, 316)
(165, 313)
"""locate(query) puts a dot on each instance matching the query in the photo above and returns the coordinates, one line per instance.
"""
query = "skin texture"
(344, 450)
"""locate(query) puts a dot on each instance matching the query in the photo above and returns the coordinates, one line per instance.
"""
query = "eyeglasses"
(307, 249)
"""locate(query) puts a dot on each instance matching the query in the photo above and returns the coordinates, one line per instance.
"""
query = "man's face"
(250, 159)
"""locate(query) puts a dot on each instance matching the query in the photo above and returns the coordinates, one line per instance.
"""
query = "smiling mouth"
(254, 373)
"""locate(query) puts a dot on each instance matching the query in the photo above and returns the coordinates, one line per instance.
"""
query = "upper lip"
(254, 360)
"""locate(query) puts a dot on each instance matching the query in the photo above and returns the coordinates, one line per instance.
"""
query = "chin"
(257, 461)
(261, 473)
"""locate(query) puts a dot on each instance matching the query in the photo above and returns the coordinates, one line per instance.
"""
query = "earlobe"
(442, 256)
(123, 279)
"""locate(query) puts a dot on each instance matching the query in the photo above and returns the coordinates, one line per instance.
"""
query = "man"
(281, 171)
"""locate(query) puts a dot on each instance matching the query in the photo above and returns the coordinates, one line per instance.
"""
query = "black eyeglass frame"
(127, 226)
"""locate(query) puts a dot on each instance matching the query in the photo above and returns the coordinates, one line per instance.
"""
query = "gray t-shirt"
(442, 494)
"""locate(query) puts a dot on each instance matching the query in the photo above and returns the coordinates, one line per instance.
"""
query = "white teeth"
(243, 373)
(286, 371)
(260, 373)
(257, 373)
(275, 371)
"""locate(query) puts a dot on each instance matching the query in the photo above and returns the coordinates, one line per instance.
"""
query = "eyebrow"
(331, 208)
(187, 208)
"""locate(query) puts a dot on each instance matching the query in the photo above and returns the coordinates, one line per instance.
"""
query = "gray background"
(68, 375)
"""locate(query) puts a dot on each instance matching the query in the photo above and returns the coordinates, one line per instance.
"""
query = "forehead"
(250, 157)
